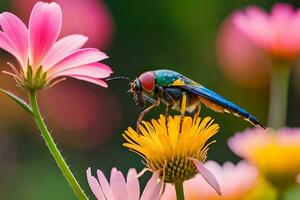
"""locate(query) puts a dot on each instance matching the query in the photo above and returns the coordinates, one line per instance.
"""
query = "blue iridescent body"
(169, 87)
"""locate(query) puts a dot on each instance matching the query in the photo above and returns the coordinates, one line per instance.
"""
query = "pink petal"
(207, 175)
(16, 30)
(243, 143)
(63, 48)
(78, 58)
(254, 13)
(44, 27)
(91, 80)
(94, 70)
(133, 185)
(105, 185)
(282, 11)
(7, 45)
(254, 23)
(118, 185)
(152, 189)
(106, 67)
(94, 185)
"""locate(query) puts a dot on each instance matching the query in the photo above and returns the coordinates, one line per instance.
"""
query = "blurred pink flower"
(278, 32)
(98, 115)
(41, 57)
(236, 182)
(274, 153)
(239, 59)
(249, 139)
(119, 189)
(89, 17)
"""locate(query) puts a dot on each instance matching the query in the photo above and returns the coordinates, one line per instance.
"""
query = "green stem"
(280, 194)
(179, 191)
(53, 148)
(278, 94)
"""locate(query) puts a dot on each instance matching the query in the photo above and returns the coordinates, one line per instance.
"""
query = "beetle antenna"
(117, 78)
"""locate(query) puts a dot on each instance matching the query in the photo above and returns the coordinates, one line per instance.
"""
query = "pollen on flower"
(178, 170)
(167, 148)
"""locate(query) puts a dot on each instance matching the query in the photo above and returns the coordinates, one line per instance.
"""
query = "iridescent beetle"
(182, 94)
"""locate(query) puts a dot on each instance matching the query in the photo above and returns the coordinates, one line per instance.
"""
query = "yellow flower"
(274, 153)
(176, 151)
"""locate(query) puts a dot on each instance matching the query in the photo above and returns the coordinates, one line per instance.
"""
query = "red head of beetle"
(145, 82)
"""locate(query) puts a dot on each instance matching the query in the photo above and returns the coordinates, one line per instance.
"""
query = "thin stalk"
(179, 191)
(280, 194)
(53, 148)
(278, 95)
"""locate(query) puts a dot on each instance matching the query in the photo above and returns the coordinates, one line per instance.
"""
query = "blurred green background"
(87, 122)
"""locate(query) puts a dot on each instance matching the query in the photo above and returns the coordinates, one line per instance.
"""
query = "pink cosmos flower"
(119, 189)
(239, 59)
(274, 153)
(42, 58)
(236, 182)
(97, 23)
(278, 32)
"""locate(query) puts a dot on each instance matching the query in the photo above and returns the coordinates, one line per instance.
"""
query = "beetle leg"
(149, 99)
(163, 94)
(183, 104)
(197, 110)
(183, 108)
(155, 104)
(159, 91)
(167, 111)
(169, 99)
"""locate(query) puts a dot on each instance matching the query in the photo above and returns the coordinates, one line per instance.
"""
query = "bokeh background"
(195, 38)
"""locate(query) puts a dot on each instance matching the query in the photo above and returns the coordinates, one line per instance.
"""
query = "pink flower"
(239, 59)
(236, 182)
(119, 189)
(274, 153)
(278, 32)
(42, 58)
(98, 110)
(97, 23)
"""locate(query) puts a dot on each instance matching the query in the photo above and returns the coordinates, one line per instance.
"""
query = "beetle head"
(137, 91)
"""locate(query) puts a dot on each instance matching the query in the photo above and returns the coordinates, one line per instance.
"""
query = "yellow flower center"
(167, 146)
(279, 162)
(177, 170)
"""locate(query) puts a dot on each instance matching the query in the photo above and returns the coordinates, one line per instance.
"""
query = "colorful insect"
(182, 94)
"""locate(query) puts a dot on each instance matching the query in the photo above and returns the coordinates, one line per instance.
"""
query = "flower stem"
(278, 95)
(179, 191)
(53, 148)
(280, 194)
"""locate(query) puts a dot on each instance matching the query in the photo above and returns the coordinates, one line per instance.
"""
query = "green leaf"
(19, 101)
